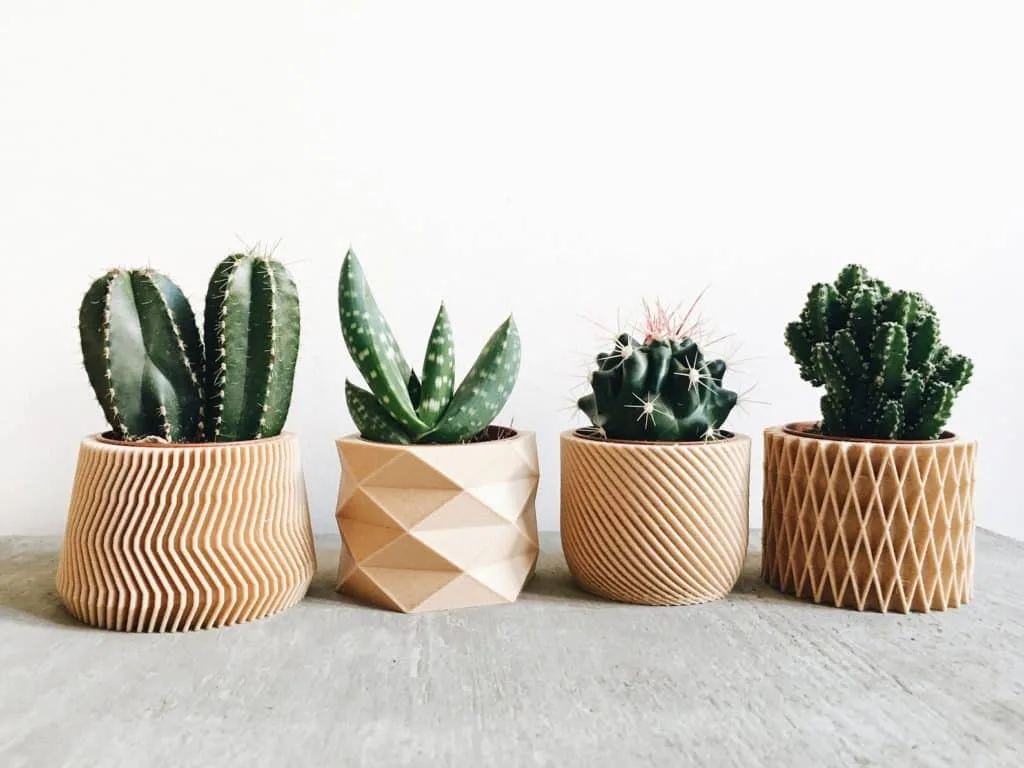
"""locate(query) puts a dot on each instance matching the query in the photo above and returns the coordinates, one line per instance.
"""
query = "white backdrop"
(556, 159)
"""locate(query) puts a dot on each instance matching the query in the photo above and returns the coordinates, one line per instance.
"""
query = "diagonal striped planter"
(655, 523)
(175, 537)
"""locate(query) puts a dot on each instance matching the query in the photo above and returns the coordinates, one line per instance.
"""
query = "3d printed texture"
(655, 523)
(435, 527)
(870, 526)
(175, 537)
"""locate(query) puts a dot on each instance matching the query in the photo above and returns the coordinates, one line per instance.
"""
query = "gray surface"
(560, 678)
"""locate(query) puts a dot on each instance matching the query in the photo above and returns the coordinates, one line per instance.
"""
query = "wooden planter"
(433, 527)
(655, 523)
(174, 537)
(881, 526)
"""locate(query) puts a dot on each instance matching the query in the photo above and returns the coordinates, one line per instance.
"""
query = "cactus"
(399, 407)
(252, 343)
(143, 355)
(659, 390)
(878, 353)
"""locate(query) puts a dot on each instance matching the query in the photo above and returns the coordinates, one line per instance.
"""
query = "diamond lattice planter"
(430, 527)
(882, 526)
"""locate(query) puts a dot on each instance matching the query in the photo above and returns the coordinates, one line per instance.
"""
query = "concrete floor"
(560, 678)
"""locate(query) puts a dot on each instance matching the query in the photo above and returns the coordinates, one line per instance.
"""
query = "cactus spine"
(399, 407)
(878, 353)
(252, 343)
(143, 355)
(661, 389)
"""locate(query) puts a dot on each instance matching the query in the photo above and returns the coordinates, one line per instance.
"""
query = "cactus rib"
(252, 328)
(142, 353)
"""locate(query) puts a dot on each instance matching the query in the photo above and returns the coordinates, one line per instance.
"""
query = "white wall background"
(556, 159)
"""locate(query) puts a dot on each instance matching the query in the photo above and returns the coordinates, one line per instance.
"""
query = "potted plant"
(190, 512)
(655, 492)
(872, 507)
(436, 505)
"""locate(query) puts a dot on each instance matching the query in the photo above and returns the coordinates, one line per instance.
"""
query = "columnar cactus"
(877, 352)
(661, 389)
(252, 343)
(145, 361)
(143, 355)
(400, 408)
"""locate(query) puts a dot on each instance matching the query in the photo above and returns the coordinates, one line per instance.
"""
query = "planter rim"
(515, 436)
(801, 429)
(99, 439)
(734, 437)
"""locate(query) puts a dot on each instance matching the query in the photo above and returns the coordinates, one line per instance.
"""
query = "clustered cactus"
(146, 363)
(659, 390)
(878, 354)
(402, 408)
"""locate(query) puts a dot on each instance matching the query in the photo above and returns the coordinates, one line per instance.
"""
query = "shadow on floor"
(28, 593)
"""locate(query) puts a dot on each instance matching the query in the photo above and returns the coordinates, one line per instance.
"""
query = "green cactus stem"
(878, 353)
(400, 407)
(661, 389)
(143, 355)
(252, 341)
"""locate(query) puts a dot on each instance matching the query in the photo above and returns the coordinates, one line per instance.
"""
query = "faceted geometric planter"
(434, 527)
(168, 537)
(880, 526)
(655, 523)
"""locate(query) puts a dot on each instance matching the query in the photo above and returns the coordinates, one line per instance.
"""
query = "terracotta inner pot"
(809, 429)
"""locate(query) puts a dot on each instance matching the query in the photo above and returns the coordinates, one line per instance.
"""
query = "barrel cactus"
(145, 360)
(878, 353)
(399, 406)
(660, 389)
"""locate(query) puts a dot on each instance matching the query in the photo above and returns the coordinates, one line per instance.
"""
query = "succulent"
(144, 355)
(252, 343)
(878, 353)
(658, 390)
(399, 406)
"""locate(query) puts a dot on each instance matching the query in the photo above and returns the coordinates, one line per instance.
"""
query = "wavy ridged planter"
(880, 526)
(655, 523)
(436, 527)
(176, 537)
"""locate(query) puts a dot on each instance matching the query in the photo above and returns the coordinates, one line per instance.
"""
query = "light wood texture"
(556, 680)
(174, 537)
(435, 527)
(655, 523)
(870, 526)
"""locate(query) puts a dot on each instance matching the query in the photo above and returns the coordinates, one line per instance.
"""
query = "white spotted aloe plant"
(402, 408)
(146, 363)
